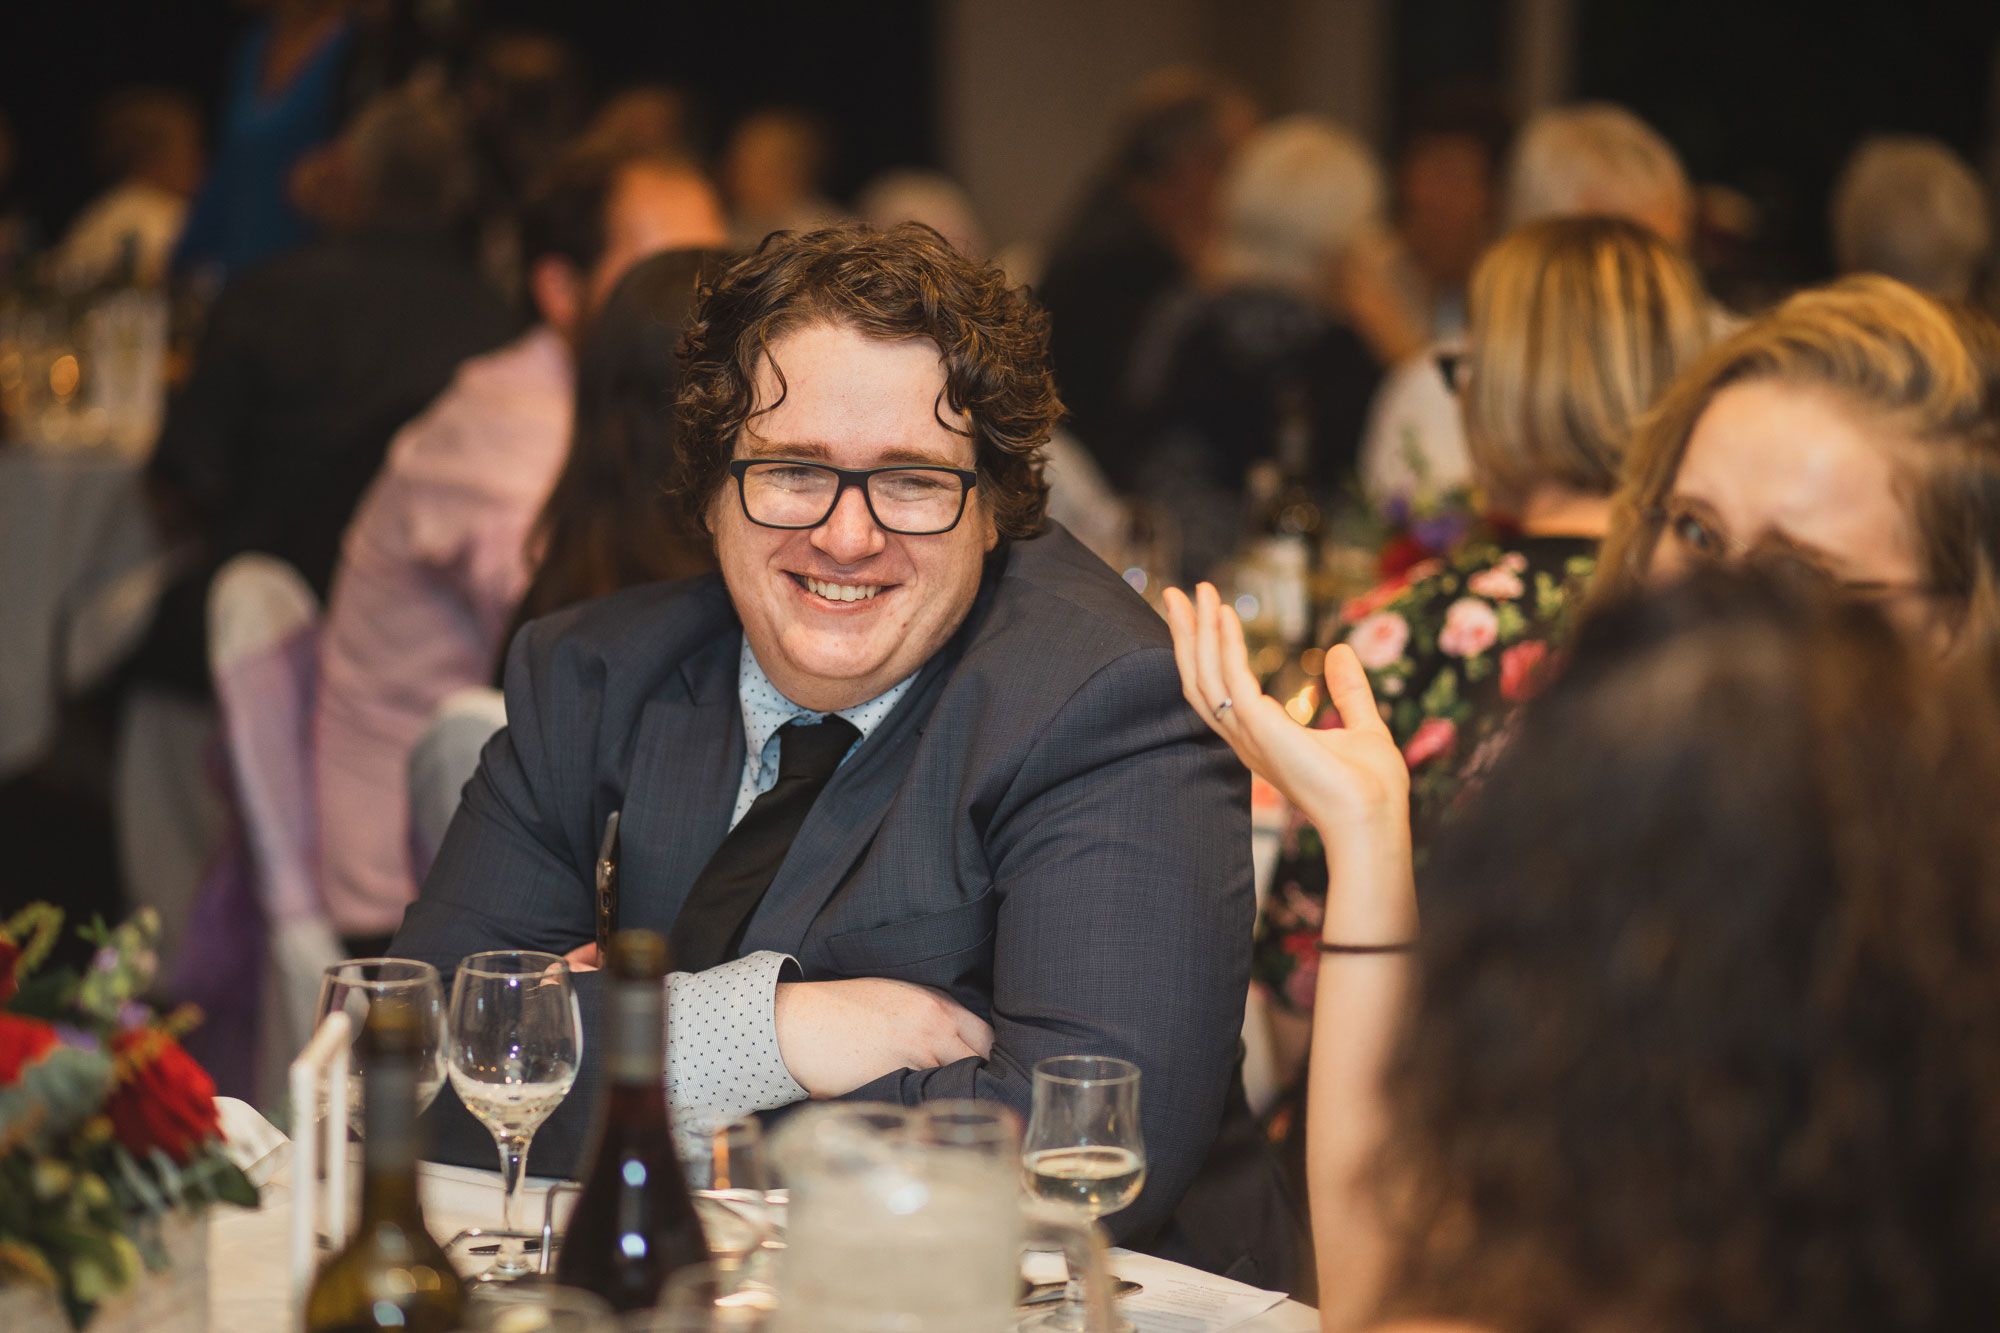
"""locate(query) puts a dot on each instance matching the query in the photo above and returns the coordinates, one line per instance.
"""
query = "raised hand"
(1345, 779)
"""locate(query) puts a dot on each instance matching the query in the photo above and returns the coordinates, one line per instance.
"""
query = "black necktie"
(729, 887)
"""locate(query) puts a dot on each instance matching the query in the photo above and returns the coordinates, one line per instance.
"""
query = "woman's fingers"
(1237, 677)
(1208, 648)
(1180, 620)
(1348, 690)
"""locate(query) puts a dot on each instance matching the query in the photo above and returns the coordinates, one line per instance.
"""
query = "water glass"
(1083, 1150)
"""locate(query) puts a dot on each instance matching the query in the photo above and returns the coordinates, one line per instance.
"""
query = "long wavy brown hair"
(608, 523)
(906, 282)
(1707, 1035)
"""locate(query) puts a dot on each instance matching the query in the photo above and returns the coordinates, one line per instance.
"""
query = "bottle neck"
(638, 1046)
(389, 1143)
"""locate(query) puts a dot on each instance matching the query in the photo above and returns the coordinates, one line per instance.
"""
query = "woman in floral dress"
(1578, 324)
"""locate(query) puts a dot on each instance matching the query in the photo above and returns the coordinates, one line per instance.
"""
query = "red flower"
(1399, 555)
(1518, 669)
(10, 963)
(163, 1099)
(1435, 737)
(22, 1042)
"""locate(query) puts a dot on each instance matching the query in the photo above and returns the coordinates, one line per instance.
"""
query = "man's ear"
(557, 291)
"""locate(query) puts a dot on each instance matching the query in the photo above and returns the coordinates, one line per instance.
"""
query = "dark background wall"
(1764, 95)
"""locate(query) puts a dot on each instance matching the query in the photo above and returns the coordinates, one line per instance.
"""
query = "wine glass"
(357, 985)
(726, 1170)
(515, 1041)
(1083, 1149)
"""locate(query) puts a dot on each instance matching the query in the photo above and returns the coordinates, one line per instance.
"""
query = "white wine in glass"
(515, 1040)
(1084, 1149)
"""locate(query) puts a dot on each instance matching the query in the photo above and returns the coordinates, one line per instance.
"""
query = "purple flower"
(81, 1039)
(1440, 532)
(105, 959)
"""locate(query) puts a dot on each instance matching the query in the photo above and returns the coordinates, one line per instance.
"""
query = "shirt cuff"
(722, 1042)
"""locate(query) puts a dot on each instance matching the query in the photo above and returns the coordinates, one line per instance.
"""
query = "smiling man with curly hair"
(909, 785)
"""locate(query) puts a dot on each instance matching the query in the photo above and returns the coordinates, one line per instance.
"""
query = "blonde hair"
(1909, 207)
(1578, 324)
(1298, 192)
(1927, 370)
(1595, 157)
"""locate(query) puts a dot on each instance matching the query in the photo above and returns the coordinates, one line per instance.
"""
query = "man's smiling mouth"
(838, 592)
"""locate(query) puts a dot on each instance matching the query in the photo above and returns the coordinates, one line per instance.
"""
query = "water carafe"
(914, 1219)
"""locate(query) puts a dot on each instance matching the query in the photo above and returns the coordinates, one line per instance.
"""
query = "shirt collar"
(765, 709)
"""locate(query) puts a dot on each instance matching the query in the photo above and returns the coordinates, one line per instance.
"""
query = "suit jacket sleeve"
(1121, 868)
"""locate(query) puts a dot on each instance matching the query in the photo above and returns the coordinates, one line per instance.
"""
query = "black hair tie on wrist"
(1407, 946)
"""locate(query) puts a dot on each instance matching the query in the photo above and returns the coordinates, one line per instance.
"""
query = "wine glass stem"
(513, 1158)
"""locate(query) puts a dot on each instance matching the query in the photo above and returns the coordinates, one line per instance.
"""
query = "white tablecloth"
(247, 1251)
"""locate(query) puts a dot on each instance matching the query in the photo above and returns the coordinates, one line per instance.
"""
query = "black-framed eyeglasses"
(913, 501)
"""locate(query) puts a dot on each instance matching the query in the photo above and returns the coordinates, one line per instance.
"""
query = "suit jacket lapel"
(687, 764)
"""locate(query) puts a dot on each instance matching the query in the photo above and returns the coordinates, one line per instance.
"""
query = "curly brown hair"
(1707, 1035)
(906, 282)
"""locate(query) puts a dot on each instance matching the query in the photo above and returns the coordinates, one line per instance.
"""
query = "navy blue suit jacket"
(1041, 828)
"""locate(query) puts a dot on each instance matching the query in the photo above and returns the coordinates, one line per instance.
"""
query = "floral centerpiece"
(107, 1127)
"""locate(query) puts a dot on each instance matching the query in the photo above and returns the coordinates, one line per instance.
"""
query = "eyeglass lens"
(799, 495)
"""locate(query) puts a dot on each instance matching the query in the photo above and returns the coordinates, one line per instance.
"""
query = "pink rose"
(1435, 737)
(1470, 627)
(1379, 639)
(1518, 669)
(1515, 561)
(1499, 583)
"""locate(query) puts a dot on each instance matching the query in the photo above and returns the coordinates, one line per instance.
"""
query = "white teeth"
(844, 592)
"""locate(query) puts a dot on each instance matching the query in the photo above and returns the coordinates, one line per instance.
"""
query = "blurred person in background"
(1698, 1028)
(309, 364)
(525, 96)
(149, 144)
(1223, 370)
(1142, 229)
(1591, 158)
(1912, 209)
(283, 99)
(437, 556)
(1578, 326)
(1405, 288)
(650, 118)
(774, 175)
(609, 522)
(1857, 426)
(908, 194)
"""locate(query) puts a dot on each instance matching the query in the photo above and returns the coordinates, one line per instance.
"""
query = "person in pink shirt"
(435, 560)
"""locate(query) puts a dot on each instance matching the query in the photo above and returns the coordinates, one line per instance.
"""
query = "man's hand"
(836, 1036)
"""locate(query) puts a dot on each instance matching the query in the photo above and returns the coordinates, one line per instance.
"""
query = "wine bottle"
(393, 1273)
(635, 1223)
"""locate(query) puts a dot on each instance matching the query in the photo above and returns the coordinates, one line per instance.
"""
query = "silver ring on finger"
(1223, 707)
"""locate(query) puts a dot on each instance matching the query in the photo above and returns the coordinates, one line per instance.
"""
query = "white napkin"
(256, 1145)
